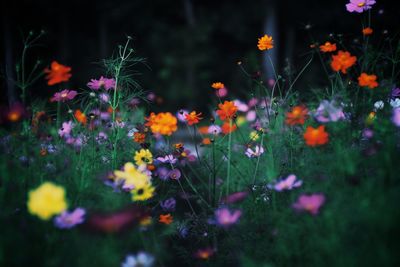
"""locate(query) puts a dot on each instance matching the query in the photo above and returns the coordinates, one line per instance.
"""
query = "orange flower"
(193, 117)
(265, 43)
(57, 73)
(316, 136)
(139, 137)
(178, 145)
(206, 141)
(80, 116)
(342, 61)
(163, 123)
(327, 47)
(297, 115)
(366, 80)
(218, 85)
(226, 110)
(228, 128)
(367, 31)
(166, 218)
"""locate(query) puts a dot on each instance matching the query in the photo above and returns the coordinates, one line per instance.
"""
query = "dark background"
(188, 44)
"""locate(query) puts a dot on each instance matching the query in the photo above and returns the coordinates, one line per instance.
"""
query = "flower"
(379, 105)
(366, 80)
(225, 218)
(328, 111)
(367, 31)
(80, 116)
(193, 118)
(47, 200)
(105, 83)
(226, 110)
(142, 193)
(63, 96)
(163, 123)
(139, 138)
(214, 129)
(396, 117)
(265, 43)
(218, 85)
(16, 112)
(309, 203)
(316, 136)
(67, 220)
(342, 61)
(221, 92)
(288, 183)
(141, 259)
(166, 218)
(228, 127)
(167, 159)
(133, 177)
(359, 6)
(143, 156)
(395, 93)
(168, 204)
(395, 103)
(204, 253)
(104, 97)
(235, 197)
(297, 115)
(66, 128)
(57, 73)
(327, 47)
(175, 174)
(206, 141)
(258, 151)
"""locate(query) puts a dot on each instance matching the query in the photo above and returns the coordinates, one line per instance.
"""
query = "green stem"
(229, 158)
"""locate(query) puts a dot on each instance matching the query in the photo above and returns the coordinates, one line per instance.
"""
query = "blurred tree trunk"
(189, 49)
(8, 61)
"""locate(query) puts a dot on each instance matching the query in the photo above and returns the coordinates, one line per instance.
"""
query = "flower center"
(64, 95)
(361, 4)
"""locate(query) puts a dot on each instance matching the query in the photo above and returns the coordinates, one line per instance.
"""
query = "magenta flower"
(181, 115)
(309, 203)
(65, 130)
(175, 174)
(396, 117)
(105, 83)
(63, 96)
(225, 218)
(167, 159)
(67, 220)
(288, 183)
(258, 151)
(235, 197)
(359, 6)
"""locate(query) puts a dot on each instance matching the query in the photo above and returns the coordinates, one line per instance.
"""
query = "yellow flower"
(146, 221)
(240, 120)
(254, 136)
(132, 176)
(143, 156)
(47, 200)
(142, 193)
(265, 43)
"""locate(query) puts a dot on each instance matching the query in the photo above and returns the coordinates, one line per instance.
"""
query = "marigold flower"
(265, 43)
(163, 123)
(57, 73)
(193, 117)
(367, 31)
(342, 61)
(139, 137)
(166, 218)
(47, 200)
(218, 85)
(226, 110)
(316, 136)
(366, 80)
(80, 116)
(143, 193)
(143, 156)
(327, 47)
(297, 115)
(228, 127)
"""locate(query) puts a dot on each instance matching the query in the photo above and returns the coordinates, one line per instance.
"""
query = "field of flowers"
(286, 177)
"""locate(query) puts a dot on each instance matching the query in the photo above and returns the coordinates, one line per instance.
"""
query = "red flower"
(193, 117)
(297, 115)
(316, 136)
(226, 110)
(57, 73)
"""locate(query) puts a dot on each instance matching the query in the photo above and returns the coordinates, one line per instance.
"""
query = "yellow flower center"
(63, 95)
(361, 4)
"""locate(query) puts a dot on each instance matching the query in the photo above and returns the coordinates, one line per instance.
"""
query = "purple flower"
(168, 204)
(367, 133)
(235, 197)
(214, 129)
(288, 183)
(104, 97)
(328, 111)
(396, 117)
(309, 203)
(258, 151)
(395, 93)
(181, 115)
(225, 218)
(105, 83)
(359, 6)
(175, 174)
(67, 220)
(167, 159)
(63, 96)
(162, 173)
(66, 128)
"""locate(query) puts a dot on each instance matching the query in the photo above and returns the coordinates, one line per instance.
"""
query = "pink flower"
(359, 6)
(258, 151)
(105, 83)
(235, 197)
(214, 129)
(309, 203)
(225, 218)
(221, 92)
(66, 128)
(67, 220)
(167, 159)
(63, 96)
(288, 183)
(396, 117)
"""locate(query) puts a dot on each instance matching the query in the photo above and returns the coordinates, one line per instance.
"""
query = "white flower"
(395, 103)
(258, 151)
(142, 259)
(379, 104)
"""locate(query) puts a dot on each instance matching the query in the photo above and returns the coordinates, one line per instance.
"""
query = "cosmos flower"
(63, 96)
(366, 80)
(228, 128)
(297, 115)
(142, 193)
(141, 259)
(235, 197)
(66, 129)
(133, 177)
(258, 151)
(342, 61)
(105, 83)
(204, 253)
(67, 220)
(104, 97)
(57, 73)
(288, 183)
(165, 218)
(327, 47)
(163, 123)
(226, 110)
(181, 115)
(218, 85)
(265, 43)
(143, 156)
(395, 103)
(309, 203)
(359, 6)
(193, 118)
(214, 129)
(175, 174)
(367, 31)
(167, 159)
(168, 204)
(225, 218)
(47, 200)
(316, 136)
(396, 117)
(328, 111)
(80, 116)
(395, 93)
